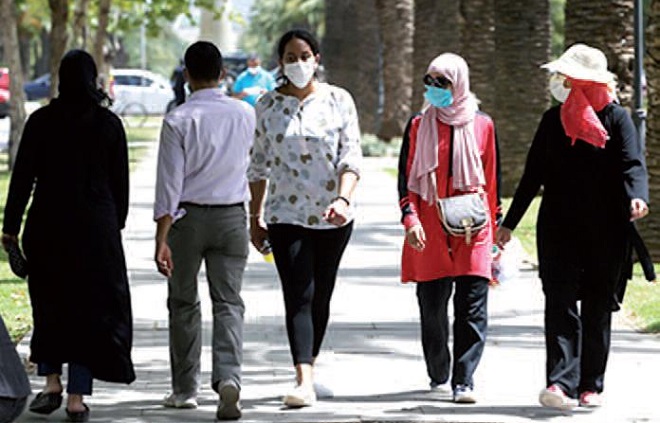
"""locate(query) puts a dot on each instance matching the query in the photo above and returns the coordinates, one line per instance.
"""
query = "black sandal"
(78, 416)
(46, 403)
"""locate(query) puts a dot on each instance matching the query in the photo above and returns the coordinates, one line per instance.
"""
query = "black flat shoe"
(78, 416)
(46, 403)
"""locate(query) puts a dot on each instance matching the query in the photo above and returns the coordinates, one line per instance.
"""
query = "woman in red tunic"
(454, 142)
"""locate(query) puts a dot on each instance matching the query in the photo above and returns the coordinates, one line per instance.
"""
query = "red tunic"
(447, 255)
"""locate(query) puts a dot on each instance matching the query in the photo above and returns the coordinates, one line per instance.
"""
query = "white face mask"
(557, 88)
(253, 71)
(300, 73)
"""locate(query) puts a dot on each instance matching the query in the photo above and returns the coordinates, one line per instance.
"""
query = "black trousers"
(577, 341)
(470, 327)
(307, 261)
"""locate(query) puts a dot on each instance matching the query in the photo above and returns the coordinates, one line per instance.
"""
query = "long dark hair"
(301, 34)
(78, 80)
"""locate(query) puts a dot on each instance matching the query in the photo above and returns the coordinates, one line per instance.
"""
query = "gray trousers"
(219, 236)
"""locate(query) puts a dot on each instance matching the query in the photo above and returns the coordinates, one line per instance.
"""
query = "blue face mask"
(438, 97)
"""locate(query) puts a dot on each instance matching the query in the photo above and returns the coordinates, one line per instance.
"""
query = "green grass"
(14, 299)
(526, 229)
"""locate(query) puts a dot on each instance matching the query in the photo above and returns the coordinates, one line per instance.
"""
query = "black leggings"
(307, 261)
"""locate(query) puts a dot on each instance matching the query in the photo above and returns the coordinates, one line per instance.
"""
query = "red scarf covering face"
(578, 113)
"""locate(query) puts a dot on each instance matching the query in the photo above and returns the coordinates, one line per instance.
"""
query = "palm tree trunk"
(350, 54)
(651, 224)
(437, 30)
(9, 34)
(396, 32)
(608, 26)
(522, 40)
(99, 40)
(80, 24)
(59, 11)
(478, 48)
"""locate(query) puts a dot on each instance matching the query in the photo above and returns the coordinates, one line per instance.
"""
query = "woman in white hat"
(587, 157)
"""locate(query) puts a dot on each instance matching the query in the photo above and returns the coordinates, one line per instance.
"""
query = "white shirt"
(204, 152)
(301, 148)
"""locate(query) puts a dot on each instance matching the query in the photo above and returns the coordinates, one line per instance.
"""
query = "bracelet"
(342, 198)
(255, 215)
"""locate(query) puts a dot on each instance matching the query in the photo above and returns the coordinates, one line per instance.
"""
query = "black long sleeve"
(402, 177)
(531, 180)
(633, 163)
(22, 179)
(119, 173)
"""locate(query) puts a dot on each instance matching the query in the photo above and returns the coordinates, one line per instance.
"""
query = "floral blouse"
(301, 148)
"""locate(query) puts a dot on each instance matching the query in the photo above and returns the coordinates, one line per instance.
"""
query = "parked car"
(139, 91)
(4, 103)
(37, 89)
(4, 78)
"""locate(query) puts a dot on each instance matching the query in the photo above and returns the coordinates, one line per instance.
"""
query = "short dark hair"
(302, 34)
(203, 61)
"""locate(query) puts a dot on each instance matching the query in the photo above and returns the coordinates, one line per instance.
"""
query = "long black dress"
(583, 221)
(76, 160)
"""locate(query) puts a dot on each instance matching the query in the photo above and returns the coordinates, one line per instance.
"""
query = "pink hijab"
(468, 174)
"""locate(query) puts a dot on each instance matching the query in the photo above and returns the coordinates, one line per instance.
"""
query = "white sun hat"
(582, 62)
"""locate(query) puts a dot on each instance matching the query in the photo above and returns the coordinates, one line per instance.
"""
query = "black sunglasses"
(440, 82)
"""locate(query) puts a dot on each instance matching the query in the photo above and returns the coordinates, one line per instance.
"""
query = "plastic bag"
(506, 262)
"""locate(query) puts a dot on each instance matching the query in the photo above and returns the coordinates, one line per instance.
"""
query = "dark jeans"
(307, 261)
(79, 380)
(470, 326)
(571, 335)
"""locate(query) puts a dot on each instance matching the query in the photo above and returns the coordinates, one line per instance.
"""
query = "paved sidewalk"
(372, 357)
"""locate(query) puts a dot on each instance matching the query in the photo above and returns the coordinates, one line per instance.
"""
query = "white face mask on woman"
(300, 73)
(557, 88)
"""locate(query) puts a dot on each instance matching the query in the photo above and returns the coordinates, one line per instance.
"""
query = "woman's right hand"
(258, 234)
(8, 239)
(416, 237)
(502, 236)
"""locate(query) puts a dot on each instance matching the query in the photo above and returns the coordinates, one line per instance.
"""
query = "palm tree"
(437, 30)
(522, 40)
(369, 75)
(651, 225)
(478, 48)
(606, 25)
(59, 12)
(396, 32)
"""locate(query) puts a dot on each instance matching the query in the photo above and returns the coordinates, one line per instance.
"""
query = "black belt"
(209, 206)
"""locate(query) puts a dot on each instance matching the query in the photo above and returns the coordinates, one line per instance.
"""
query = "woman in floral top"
(307, 152)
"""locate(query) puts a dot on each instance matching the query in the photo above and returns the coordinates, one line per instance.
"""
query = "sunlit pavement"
(372, 356)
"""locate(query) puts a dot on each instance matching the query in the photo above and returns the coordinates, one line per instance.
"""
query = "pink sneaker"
(590, 399)
(554, 397)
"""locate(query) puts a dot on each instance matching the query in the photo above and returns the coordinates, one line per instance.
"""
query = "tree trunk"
(478, 49)
(351, 54)
(608, 26)
(24, 41)
(42, 54)
(522, 44)
(651, 224)
(99, 40)
(396, 32)
(12, 57)
(59, 10)
(437, 30)
(80, 24)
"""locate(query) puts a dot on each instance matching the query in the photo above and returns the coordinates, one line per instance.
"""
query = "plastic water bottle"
(496, 267)
(267, 252)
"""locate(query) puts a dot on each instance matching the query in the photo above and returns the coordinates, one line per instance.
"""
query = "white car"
(139, 91)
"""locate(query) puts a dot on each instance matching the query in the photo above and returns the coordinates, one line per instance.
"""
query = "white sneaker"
(229, 407)
(463, 394)
(444, 388)
(173, 400)
(554, 397)
(300, 396)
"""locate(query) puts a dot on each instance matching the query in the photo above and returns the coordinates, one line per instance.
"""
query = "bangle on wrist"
(342, 198)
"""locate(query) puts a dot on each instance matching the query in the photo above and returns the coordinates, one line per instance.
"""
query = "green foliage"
(163, 50)
(557, 26)
(131, 14)
(642, 301)
(272, 18)
(372, 146)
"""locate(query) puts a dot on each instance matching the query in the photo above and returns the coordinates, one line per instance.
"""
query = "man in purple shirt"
(201, 190)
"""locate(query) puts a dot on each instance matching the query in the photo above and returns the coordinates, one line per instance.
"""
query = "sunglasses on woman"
(440, 82)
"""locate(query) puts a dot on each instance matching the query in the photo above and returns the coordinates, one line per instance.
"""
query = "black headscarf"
(78, 80)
